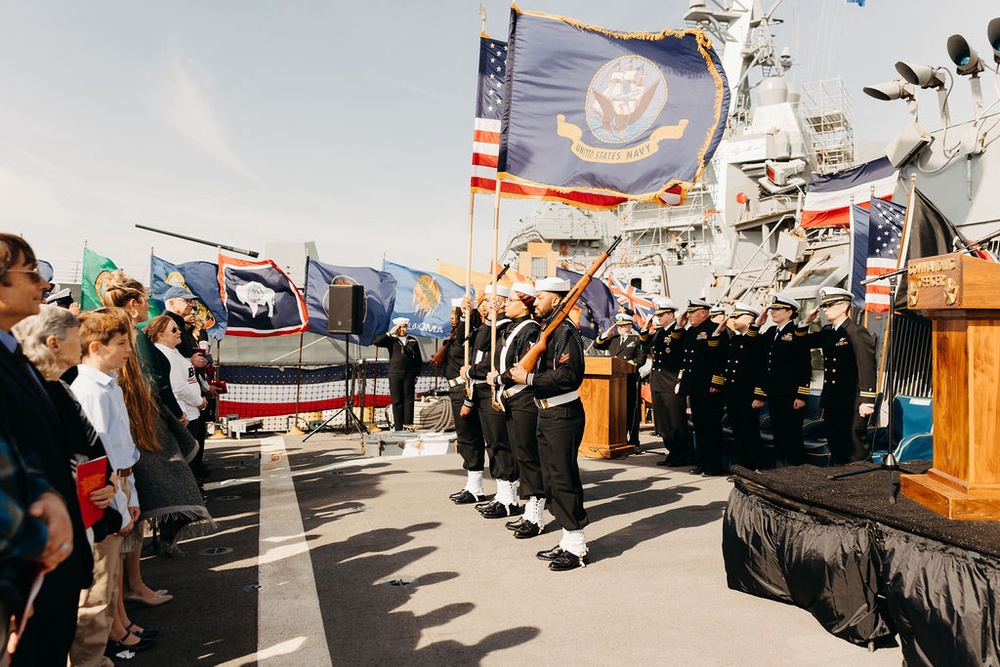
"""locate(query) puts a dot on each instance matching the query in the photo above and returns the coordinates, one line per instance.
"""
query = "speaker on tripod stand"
(346, 316)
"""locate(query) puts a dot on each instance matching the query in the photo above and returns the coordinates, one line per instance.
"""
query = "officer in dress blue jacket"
(621, 341)
(849, 377)
(405, 362)
(664, 343)
(785, 381)
(743, 368)
(701, 381)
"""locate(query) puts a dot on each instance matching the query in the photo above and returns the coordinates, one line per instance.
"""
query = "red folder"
(91, 476)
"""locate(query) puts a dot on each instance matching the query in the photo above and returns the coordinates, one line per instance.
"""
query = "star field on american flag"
(885, 234)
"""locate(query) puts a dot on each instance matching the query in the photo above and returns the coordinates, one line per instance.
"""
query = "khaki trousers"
(97, 607)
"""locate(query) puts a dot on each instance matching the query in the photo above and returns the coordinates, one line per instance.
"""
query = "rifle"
(437, 360)
(530, 358)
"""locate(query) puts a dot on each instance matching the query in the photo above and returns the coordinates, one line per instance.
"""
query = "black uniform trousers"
(786, 425)
(706, 417)
(632, 407)
(560, 432)
(403, 391)
(846, 434)
(468, 433)
(494, 428)
(745, 421)
(669, 416)
(522, 424)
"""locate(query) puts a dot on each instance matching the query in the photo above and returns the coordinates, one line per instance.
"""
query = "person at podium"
(849, 377)
(622, 341)
(663, 340)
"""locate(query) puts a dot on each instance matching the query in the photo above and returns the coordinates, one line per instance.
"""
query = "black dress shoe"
(467, 498)
(482, 506)
(528, 530)
(456, 494)
(515, 524)
(550, 554)
(664, 462)
(567, 561)
(499, 510)
(696, 471)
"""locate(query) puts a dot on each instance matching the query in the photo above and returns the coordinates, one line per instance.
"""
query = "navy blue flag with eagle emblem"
(636, 115)
(380, 296)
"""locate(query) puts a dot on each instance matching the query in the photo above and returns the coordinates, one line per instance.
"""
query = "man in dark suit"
(664, 343)
(849, 377)
(405, 362)
(785, 381)
(30, 418)
(623, 342)
(743, 367)
(701, 381)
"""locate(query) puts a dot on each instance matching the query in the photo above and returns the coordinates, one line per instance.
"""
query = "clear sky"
(346, 123)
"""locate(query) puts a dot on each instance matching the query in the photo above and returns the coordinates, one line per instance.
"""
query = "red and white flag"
(828, 198)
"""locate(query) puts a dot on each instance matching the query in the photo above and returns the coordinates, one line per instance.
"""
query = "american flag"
(486, 137)
(633, 301)
(885, 230)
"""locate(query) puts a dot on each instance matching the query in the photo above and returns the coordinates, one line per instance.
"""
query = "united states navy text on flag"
(885, 230)
(595, 310)
(199, 278)
(260, 299)
(635, 115)
(486, 139)
(633, 300)
(424, 298)
(380, 295)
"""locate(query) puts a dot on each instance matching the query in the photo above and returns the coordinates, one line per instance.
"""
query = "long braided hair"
(120, 290)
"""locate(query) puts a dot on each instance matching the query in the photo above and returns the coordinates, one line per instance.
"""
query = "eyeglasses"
(35, 274)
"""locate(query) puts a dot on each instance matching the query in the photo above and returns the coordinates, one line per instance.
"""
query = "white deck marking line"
(289, 623)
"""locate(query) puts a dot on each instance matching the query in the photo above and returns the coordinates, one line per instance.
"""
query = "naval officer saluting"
(849, 377)
(405, 362)
(621, 341)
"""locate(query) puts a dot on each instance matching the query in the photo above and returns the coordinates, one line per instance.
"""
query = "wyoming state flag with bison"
(634, 115)
(260, 299)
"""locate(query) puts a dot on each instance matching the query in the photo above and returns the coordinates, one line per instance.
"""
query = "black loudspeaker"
(347, 309)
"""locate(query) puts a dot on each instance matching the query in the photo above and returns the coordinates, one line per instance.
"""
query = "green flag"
(95, 268)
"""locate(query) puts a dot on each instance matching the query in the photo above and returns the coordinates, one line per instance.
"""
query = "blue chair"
(912, 422)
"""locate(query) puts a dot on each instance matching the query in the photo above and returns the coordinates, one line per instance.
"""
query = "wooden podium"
(603, 393)
(961, 295)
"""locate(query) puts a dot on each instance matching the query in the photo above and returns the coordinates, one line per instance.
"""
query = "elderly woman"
(166, 336)
(51, 340)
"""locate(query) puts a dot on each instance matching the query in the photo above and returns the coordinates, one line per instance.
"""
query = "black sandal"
(146, 633)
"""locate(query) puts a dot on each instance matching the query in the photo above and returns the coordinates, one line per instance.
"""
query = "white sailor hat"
(698, 304)
(664, 305)
(744, 308)
(457, 302)
(527, 289)
(623, 318)
(400, 321)
(782, 301)
(553, 284)
(502, 290)
(61, 295)
(830, 295)
(717, 309)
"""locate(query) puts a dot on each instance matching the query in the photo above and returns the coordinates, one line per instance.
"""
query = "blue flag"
(424, 298)
(636, 115)
(199, 278)
(260, 299)
(380, 295)
(859, 253)
(597, 305)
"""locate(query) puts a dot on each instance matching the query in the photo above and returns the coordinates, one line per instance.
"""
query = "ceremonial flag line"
(260, 299)
(380, 295)
(424, 298)
(199, 278)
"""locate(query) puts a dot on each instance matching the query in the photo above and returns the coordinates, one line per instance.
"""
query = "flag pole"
(468, 269)
(496, 250)
(217, 432)
(295, 430)
(892, 295)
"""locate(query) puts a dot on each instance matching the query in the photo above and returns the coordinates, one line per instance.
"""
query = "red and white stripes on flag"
(486, 140)
(828, 198)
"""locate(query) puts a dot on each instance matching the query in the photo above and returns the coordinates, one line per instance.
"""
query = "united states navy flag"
(199, 278)
(636, 115)
(380, 296)
(260, 299)
(425, 299)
